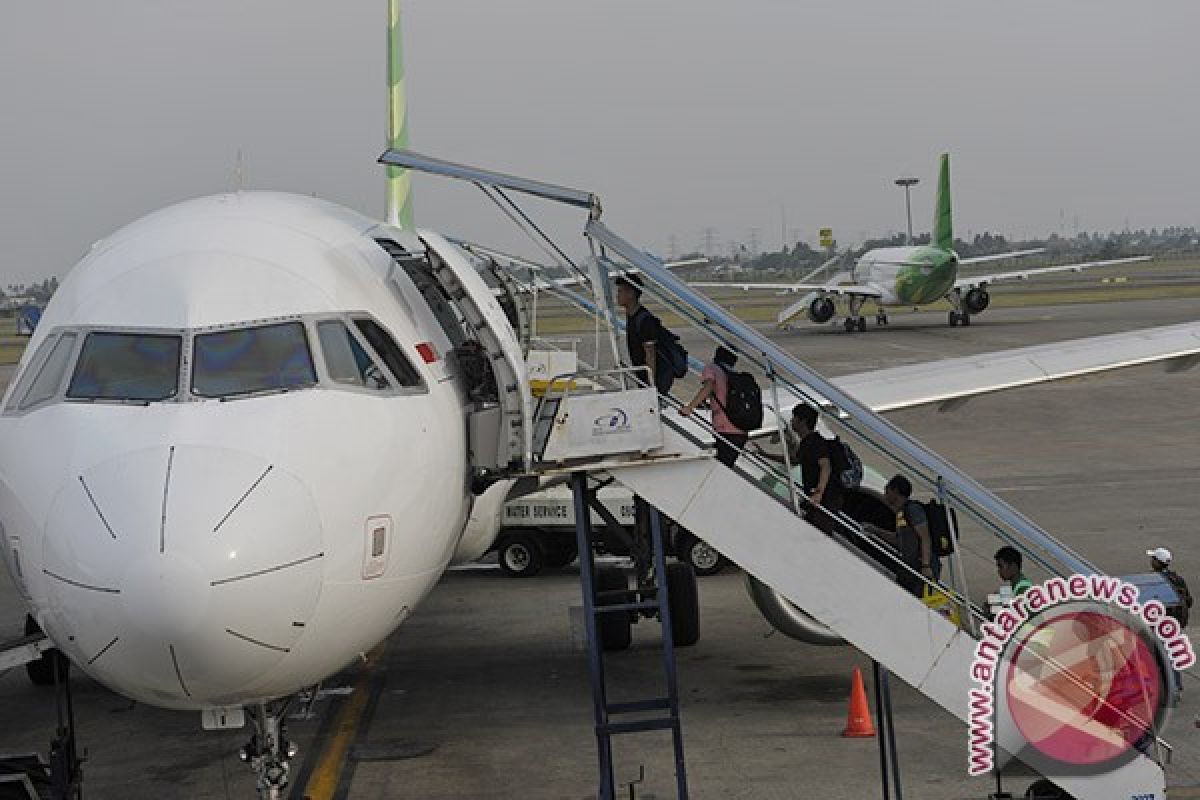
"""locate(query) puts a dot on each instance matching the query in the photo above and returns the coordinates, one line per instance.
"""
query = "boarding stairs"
(760, 523)
(610, 427)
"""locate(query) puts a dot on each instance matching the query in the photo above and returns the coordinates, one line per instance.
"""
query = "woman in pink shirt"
(730, 438)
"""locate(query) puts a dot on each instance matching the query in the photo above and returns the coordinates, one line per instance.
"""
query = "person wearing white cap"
(1160, 562)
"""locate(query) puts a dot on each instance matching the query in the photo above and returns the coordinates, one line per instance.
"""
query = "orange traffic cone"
(859, 724)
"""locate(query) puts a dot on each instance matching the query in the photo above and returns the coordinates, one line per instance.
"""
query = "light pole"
(907, 183)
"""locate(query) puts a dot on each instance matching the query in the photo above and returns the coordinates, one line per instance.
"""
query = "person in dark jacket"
(1160, 562)
(643, 332)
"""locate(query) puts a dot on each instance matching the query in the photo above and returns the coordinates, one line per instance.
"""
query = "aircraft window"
(45, 374)
(140, 367)
(389, 351)
(250, 360)
(346, 359)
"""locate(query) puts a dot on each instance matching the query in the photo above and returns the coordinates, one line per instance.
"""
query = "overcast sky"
(681, 115)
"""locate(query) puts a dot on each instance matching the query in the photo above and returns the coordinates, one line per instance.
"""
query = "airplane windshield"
(133, 367)
(251, 360)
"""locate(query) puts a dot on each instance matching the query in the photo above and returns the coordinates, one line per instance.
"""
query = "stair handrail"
(957, 482)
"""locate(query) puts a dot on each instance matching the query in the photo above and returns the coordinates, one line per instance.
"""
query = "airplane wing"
(790, 288)
(1000, 256)
(952, 381)
(972, 281)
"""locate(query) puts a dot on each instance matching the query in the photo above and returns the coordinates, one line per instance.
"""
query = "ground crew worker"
(1008, 565)
(1160, 562)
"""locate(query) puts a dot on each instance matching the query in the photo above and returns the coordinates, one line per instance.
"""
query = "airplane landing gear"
(960, 315)
(855, 321)
(268, 752)
(881, 318)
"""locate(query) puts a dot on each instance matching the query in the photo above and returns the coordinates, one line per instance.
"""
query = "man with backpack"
(813, 453)
(911, 539)
(650, 344)
(736, 403)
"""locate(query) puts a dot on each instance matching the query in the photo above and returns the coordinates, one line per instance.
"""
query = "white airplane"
(909, 276)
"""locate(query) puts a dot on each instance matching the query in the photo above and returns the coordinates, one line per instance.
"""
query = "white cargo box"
(599, 424)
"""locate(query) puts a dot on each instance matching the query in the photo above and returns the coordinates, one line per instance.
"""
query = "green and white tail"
(399, 181)
(943, 226)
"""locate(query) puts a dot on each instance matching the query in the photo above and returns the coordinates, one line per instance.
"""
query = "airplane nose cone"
(169, 599)
(181, 575)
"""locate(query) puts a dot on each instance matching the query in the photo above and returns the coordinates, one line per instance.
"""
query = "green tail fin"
(399, 181)
(943, 226)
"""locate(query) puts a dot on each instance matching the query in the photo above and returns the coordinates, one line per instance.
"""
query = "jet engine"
(977, 300)
(820, 310)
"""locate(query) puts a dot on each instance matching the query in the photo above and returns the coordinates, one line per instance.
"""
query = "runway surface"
(486, 680)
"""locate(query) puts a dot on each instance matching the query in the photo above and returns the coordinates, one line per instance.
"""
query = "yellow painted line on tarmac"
(331, 761)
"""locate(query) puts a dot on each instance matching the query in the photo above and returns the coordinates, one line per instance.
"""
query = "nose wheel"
(268, 752)
(853, 324)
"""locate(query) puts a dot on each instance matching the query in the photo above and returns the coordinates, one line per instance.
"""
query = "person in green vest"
(1008, 565)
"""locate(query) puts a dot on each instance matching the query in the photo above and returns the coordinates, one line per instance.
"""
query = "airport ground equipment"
(538, 530)
(61, 776)
(608, 603)
(796, 552)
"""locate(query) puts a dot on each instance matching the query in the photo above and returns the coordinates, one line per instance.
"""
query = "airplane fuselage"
(908, 276)
(234, 456)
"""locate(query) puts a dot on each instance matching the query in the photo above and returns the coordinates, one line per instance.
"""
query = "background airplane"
(910, 276)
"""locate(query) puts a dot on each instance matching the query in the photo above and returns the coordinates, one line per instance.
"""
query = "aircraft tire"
(965, 319)
(850, 325)
(702, 557)
(616, 629)
(521, 555)
(41, 672)
(861, 324)
(684, 600)
(953, 319)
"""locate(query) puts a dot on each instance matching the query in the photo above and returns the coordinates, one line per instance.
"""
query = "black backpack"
(939, 527)
(847, 466)
(1185, 596)
(673, 353)
(743, 400)
(667, 347)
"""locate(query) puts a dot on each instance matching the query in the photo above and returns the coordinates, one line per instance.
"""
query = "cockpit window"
(136, 367)
(383, 344)
(44, 375)
(251, 360)
(346, 359)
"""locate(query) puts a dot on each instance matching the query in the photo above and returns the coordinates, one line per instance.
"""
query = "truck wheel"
(521, 555)
(615, 629)
(685, 604)
(703, 557)
(1045, 790)
(560, 555)
(41, 672)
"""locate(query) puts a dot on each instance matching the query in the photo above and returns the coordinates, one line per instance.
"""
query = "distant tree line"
(39, 293)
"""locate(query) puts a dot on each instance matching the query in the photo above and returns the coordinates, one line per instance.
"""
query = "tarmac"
(484, 692)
